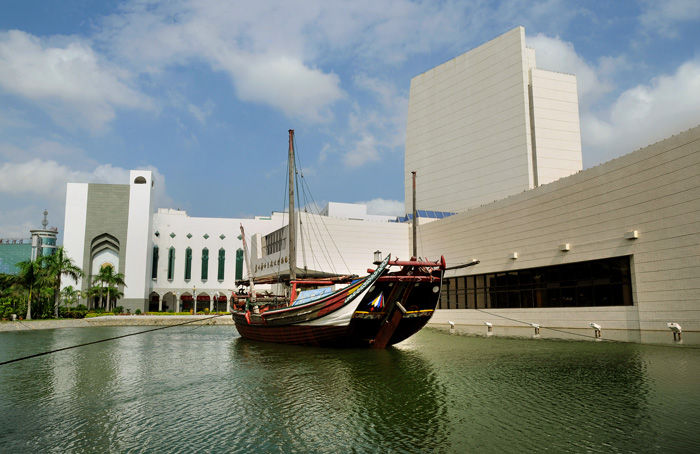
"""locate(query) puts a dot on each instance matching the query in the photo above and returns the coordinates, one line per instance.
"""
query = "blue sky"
(203, 92)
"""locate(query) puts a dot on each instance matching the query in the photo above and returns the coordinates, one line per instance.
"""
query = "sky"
(203, 92)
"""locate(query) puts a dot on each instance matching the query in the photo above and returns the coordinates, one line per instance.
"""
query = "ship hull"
(409, 304)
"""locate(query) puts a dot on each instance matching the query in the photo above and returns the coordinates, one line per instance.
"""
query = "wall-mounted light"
(677, 330)
(377, 256)
(513, 255)
(489, 328)
(565, 247)
(632, 235)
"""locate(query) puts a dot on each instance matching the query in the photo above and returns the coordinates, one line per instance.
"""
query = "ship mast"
(292, 223)
(415, 217)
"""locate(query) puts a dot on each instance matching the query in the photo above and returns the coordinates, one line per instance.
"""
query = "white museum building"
(496, 145)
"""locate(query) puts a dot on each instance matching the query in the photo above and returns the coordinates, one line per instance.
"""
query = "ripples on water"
(206, 390)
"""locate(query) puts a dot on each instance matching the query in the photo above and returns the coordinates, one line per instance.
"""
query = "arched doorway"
(203, 301)
(153, 302)
(186, 302)
(169, 302)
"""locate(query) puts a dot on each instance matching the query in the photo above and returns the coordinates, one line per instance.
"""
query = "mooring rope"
(579, 334)
(108, 339)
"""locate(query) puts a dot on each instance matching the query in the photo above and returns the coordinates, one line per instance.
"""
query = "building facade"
(488, 124)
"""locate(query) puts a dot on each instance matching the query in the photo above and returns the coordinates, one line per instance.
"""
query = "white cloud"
(70, 82)
(554, 54)
(385, 207)
(378, 126)
(644, 114)
(664, 16)
(41, 184)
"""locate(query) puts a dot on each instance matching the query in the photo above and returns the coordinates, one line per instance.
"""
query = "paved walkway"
(115, 320)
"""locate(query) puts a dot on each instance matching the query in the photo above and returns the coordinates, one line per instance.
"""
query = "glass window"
(604, 282)
(188, 264)
(154, 265)
(171, 263)
(222, 261)
(239, 264)
(205, 264)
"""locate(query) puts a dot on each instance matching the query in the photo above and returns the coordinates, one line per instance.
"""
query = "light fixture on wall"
(677, 330)
(489, 328)
(632, 235)
(513, 255)
(377, 256)
(565, 247)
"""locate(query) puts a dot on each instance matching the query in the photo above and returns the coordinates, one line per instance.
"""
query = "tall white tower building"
(488, 124)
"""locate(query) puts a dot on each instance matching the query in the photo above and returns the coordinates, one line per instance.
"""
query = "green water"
(206, 390)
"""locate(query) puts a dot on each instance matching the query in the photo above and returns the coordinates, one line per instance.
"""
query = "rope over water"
(108, 339)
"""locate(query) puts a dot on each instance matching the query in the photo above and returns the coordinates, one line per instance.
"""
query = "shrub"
(138, 312)
(69, 312)
(118, 310)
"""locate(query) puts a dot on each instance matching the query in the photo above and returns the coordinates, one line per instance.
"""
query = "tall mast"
(415, 217)
(292, 223)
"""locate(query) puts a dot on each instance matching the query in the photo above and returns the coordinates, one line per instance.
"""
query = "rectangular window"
(154, 265)
(604, 282)
(171, 263)
(205, 264)
(239, 264)
(222, 260)
(188, 264)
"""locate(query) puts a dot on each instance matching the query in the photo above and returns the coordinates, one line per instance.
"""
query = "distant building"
(14, 250)
(44, 239)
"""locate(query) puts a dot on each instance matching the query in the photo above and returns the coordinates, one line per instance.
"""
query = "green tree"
(69, 295)
(57, 265)
(28, 278)
(111, 282)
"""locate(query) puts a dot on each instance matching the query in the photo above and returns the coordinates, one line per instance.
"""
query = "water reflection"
(319, 399)
(206, 390)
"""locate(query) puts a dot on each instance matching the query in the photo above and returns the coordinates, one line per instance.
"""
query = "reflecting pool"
(203, 389)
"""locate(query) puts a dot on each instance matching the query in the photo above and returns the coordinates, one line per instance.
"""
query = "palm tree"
(57, 265)
(29, 274)
(69, 295)
(111, 279)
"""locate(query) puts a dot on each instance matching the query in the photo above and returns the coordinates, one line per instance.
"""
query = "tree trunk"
(29, 304)
(109, 301)
(57, 294)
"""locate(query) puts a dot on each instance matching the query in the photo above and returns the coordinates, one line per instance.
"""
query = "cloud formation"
(69, 81)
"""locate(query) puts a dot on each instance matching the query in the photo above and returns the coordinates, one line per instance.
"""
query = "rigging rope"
(307, 190)
(107, 339)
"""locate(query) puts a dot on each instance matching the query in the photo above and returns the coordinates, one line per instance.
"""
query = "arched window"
(139, 180)
(205, 264)
(222, 261)
(171, 263)
(154, 266)
(188, 264)
(239, 264)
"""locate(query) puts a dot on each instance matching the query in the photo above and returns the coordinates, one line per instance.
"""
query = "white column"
(211, 301)
(160, 303)
(177, 302)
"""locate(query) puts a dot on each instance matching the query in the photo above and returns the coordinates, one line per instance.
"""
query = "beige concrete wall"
(468, 128)
(655, 190)
(555, 125)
